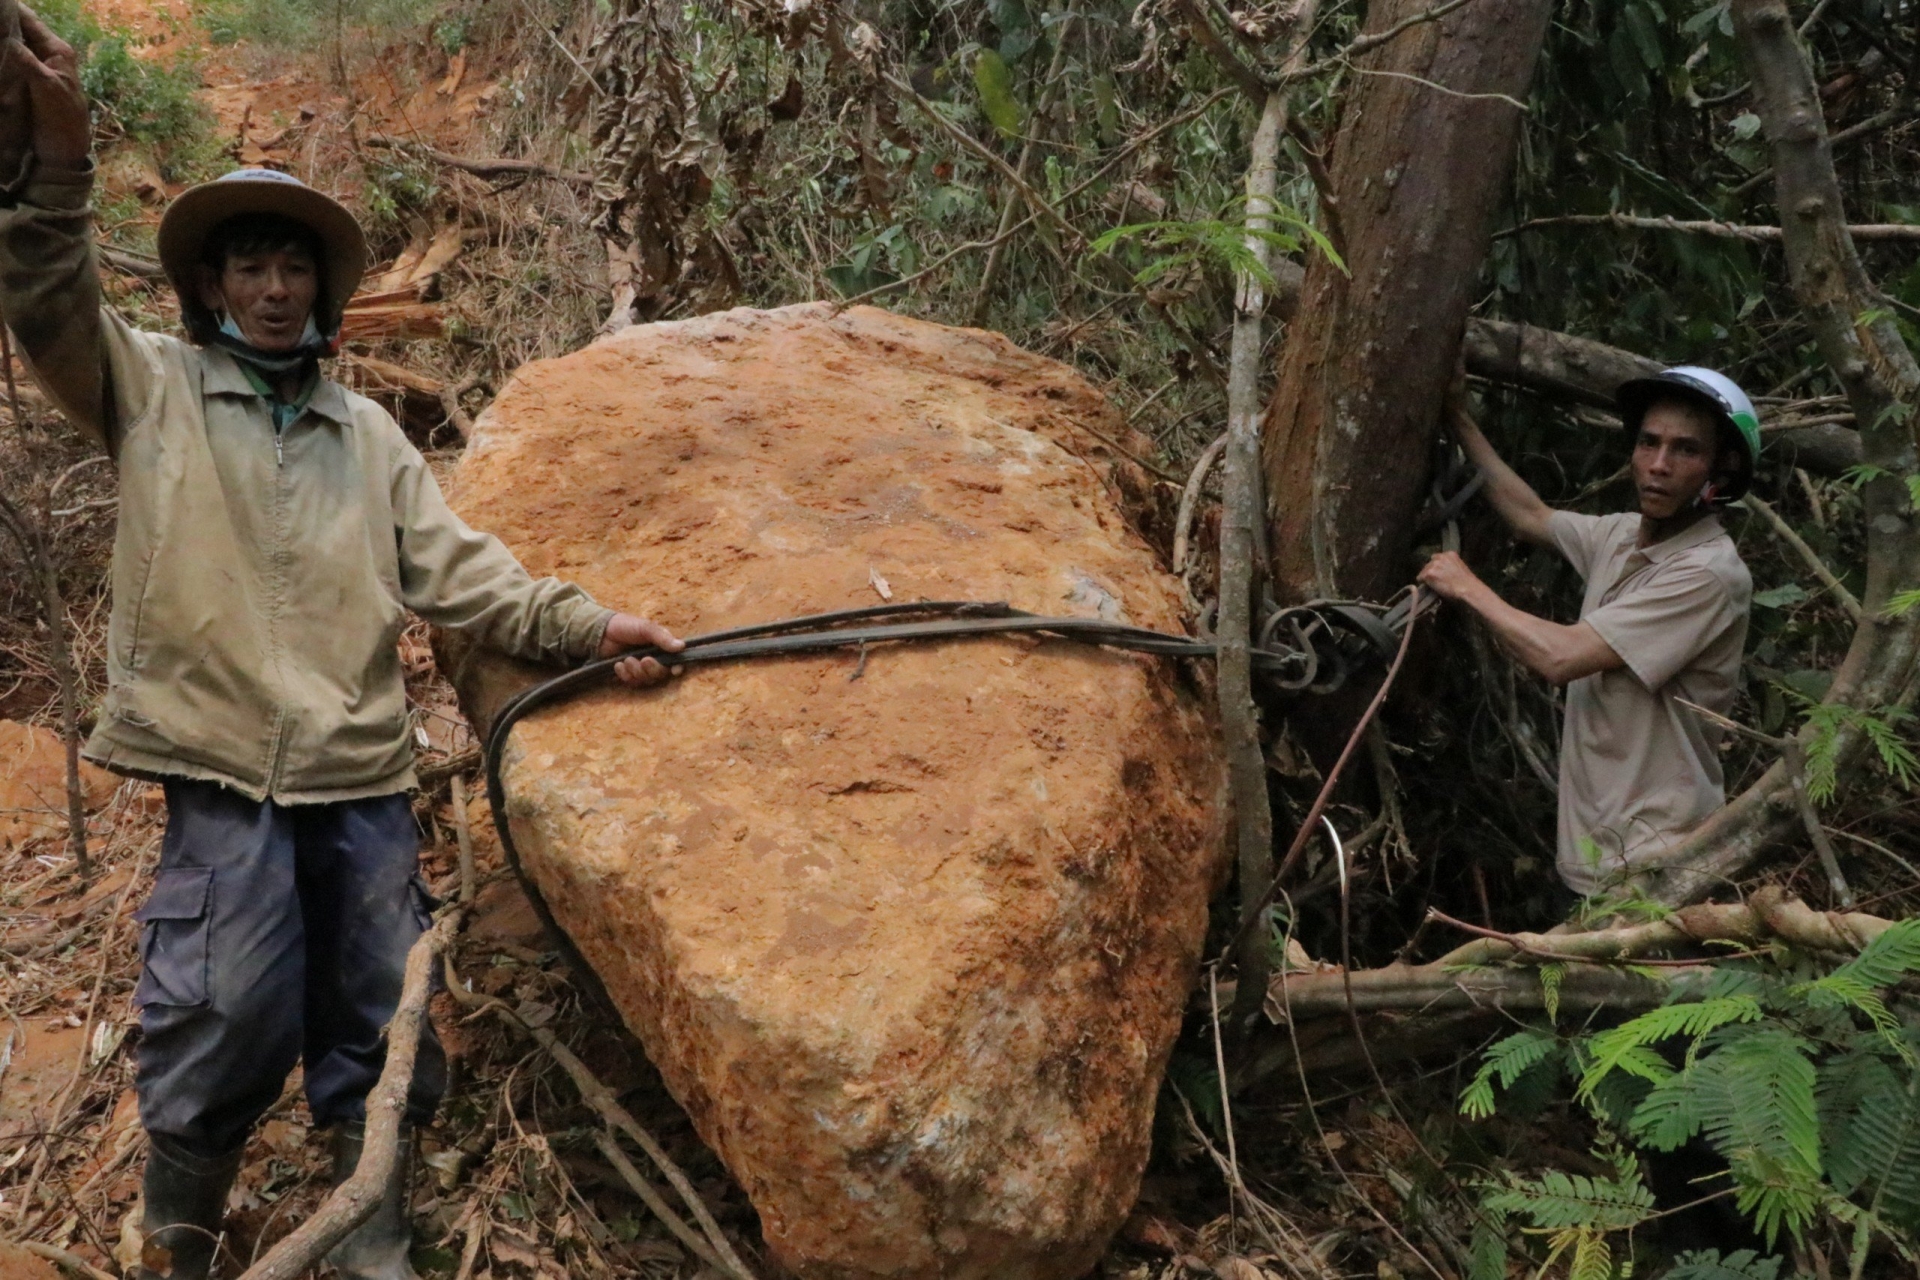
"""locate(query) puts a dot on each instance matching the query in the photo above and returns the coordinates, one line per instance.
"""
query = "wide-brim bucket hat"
(199, 209)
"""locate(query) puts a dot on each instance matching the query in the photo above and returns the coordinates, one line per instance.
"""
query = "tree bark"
(1420, 163)
(1854, 328)
(1239, 527)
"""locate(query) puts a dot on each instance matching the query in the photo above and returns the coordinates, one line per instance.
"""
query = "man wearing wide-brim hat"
(274, 530)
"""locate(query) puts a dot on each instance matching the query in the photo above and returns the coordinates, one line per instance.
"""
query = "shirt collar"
(1700, 532)
(223, 376)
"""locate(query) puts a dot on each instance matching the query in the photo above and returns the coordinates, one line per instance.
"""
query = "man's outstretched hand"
(40, 77)
(628, 631)
(1447, 574)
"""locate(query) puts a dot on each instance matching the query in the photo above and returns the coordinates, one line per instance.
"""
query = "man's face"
(1673, 458)
(269, 295)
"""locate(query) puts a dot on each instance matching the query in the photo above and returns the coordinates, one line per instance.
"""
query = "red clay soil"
(17, 1264)
(909, 937)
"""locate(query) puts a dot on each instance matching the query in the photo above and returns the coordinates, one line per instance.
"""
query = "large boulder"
(908, 934)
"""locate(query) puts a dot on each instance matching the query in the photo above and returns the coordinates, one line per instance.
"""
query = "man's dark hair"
(260, 233)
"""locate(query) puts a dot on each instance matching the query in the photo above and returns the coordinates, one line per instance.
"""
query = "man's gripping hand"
(1447, 574)
(627, 631)
(57, 128)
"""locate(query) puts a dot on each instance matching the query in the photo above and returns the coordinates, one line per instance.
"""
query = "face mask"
(312, 345)
(311, 338)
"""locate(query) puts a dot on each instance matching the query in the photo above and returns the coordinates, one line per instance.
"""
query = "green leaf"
(1669, 1116)
(1562, 1200)
(1708, 1264)
(1624, 1047)
(1505, 1061)
(1646, 36)
(1781, 597)
(1592, 1258)
(995, 84)
(1888, 958)
(1487, 1255)
(1860, 476)
(1551, 976)
(1755, 1097)
(1901, 603)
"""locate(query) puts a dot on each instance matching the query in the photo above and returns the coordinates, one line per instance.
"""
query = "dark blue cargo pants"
(275, 934)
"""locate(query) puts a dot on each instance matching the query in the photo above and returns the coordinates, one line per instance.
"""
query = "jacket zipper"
(278, 757)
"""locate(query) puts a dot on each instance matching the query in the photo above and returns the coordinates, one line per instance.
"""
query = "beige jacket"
(259, 584)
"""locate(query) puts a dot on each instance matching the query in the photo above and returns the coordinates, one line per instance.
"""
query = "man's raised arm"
(1511, 496)
(49, 287)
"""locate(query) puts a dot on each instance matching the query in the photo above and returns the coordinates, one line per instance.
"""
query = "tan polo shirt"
(1638, 770)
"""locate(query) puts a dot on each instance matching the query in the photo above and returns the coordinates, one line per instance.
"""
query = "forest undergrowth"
(1068, 174)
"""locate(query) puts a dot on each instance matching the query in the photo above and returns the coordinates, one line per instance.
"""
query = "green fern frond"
(1487, 1255)
(1887, 1133)
(1896, 757)
(1828, 720)
(1551, 976)
(1592, 1258)
(1774, 1195)
(1901, 603)
(1888, 958)
(1669, 1116)
(1624, 1047)
(1708, 1264)
(1559, 1201)
(1852, 1094)
(1760, 1098)
(1505, 1061)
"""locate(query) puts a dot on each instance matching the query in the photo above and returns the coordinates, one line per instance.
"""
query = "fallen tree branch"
(71, 1261)
(1190, 499)
(354, 1200)
(1852, 133)
(1724, 230)
(450, 403)
(1585, 371)
(1599, 962)
(492, 167)
(655, 1201)
(431, 775)
(602, 1100)
(1808, 556)
(132, 264)
(1795, 759)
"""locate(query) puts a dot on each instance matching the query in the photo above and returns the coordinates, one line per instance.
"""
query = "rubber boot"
(377, 1248)
(184, 1197)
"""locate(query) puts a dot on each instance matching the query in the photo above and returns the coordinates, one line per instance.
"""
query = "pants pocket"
(173, 941)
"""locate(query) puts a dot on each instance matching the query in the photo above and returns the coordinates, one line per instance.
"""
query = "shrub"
(147, 100)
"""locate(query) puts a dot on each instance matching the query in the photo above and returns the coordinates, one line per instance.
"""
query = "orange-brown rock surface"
(909, 938)
(33, 783)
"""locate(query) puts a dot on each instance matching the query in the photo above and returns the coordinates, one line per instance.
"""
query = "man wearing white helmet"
(274, 530)
(1663, 621)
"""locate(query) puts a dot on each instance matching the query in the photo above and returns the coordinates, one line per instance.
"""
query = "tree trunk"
(1420, 163)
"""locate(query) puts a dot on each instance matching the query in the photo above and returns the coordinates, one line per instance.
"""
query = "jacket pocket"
(173, 940)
